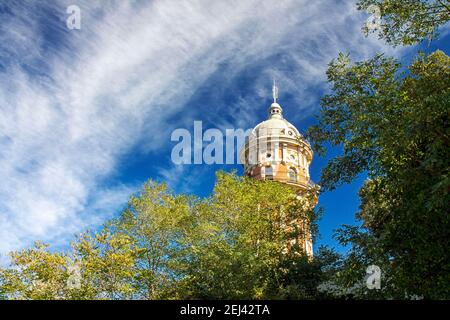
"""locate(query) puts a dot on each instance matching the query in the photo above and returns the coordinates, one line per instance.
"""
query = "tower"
(276, 150)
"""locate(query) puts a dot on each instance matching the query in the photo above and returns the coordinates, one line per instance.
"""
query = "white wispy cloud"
(70, 111)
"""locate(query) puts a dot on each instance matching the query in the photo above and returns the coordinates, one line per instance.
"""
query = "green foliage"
(303, 279)
(106, 261)
(159, 224)
(39, 274)
(406, 22)
(393, 125)
(244, 230)
(166, 246)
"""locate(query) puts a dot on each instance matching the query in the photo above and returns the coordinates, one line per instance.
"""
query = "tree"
(98, 267)
(233, 244)
(308, 279)
(105, 262)
(406, 22)
(393, 126)
(239, 245)
(158, 223)
(37, 274)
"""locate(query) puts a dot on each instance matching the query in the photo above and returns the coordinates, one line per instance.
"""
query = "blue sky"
(86, 115)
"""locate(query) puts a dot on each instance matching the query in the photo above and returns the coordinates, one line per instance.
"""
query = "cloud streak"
(74, 103)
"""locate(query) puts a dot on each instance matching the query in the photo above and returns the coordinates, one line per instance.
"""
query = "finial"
(274, 92)
(275, 110)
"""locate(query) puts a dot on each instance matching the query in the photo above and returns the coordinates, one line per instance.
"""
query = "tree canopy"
(406, 22)
(393, 125)
(166, 246)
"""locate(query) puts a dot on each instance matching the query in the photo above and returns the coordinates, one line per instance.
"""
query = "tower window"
(292, 175)
(269, 173)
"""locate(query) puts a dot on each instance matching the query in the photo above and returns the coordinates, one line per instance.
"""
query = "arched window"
(292, 174)
(269, 173)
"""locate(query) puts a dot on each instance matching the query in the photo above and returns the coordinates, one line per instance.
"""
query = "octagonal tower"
(276, 150)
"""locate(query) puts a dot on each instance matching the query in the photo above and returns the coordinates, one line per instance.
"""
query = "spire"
(274, 92)
(275, 110)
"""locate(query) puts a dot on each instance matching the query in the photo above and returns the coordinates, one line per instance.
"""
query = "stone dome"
(275, 126)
